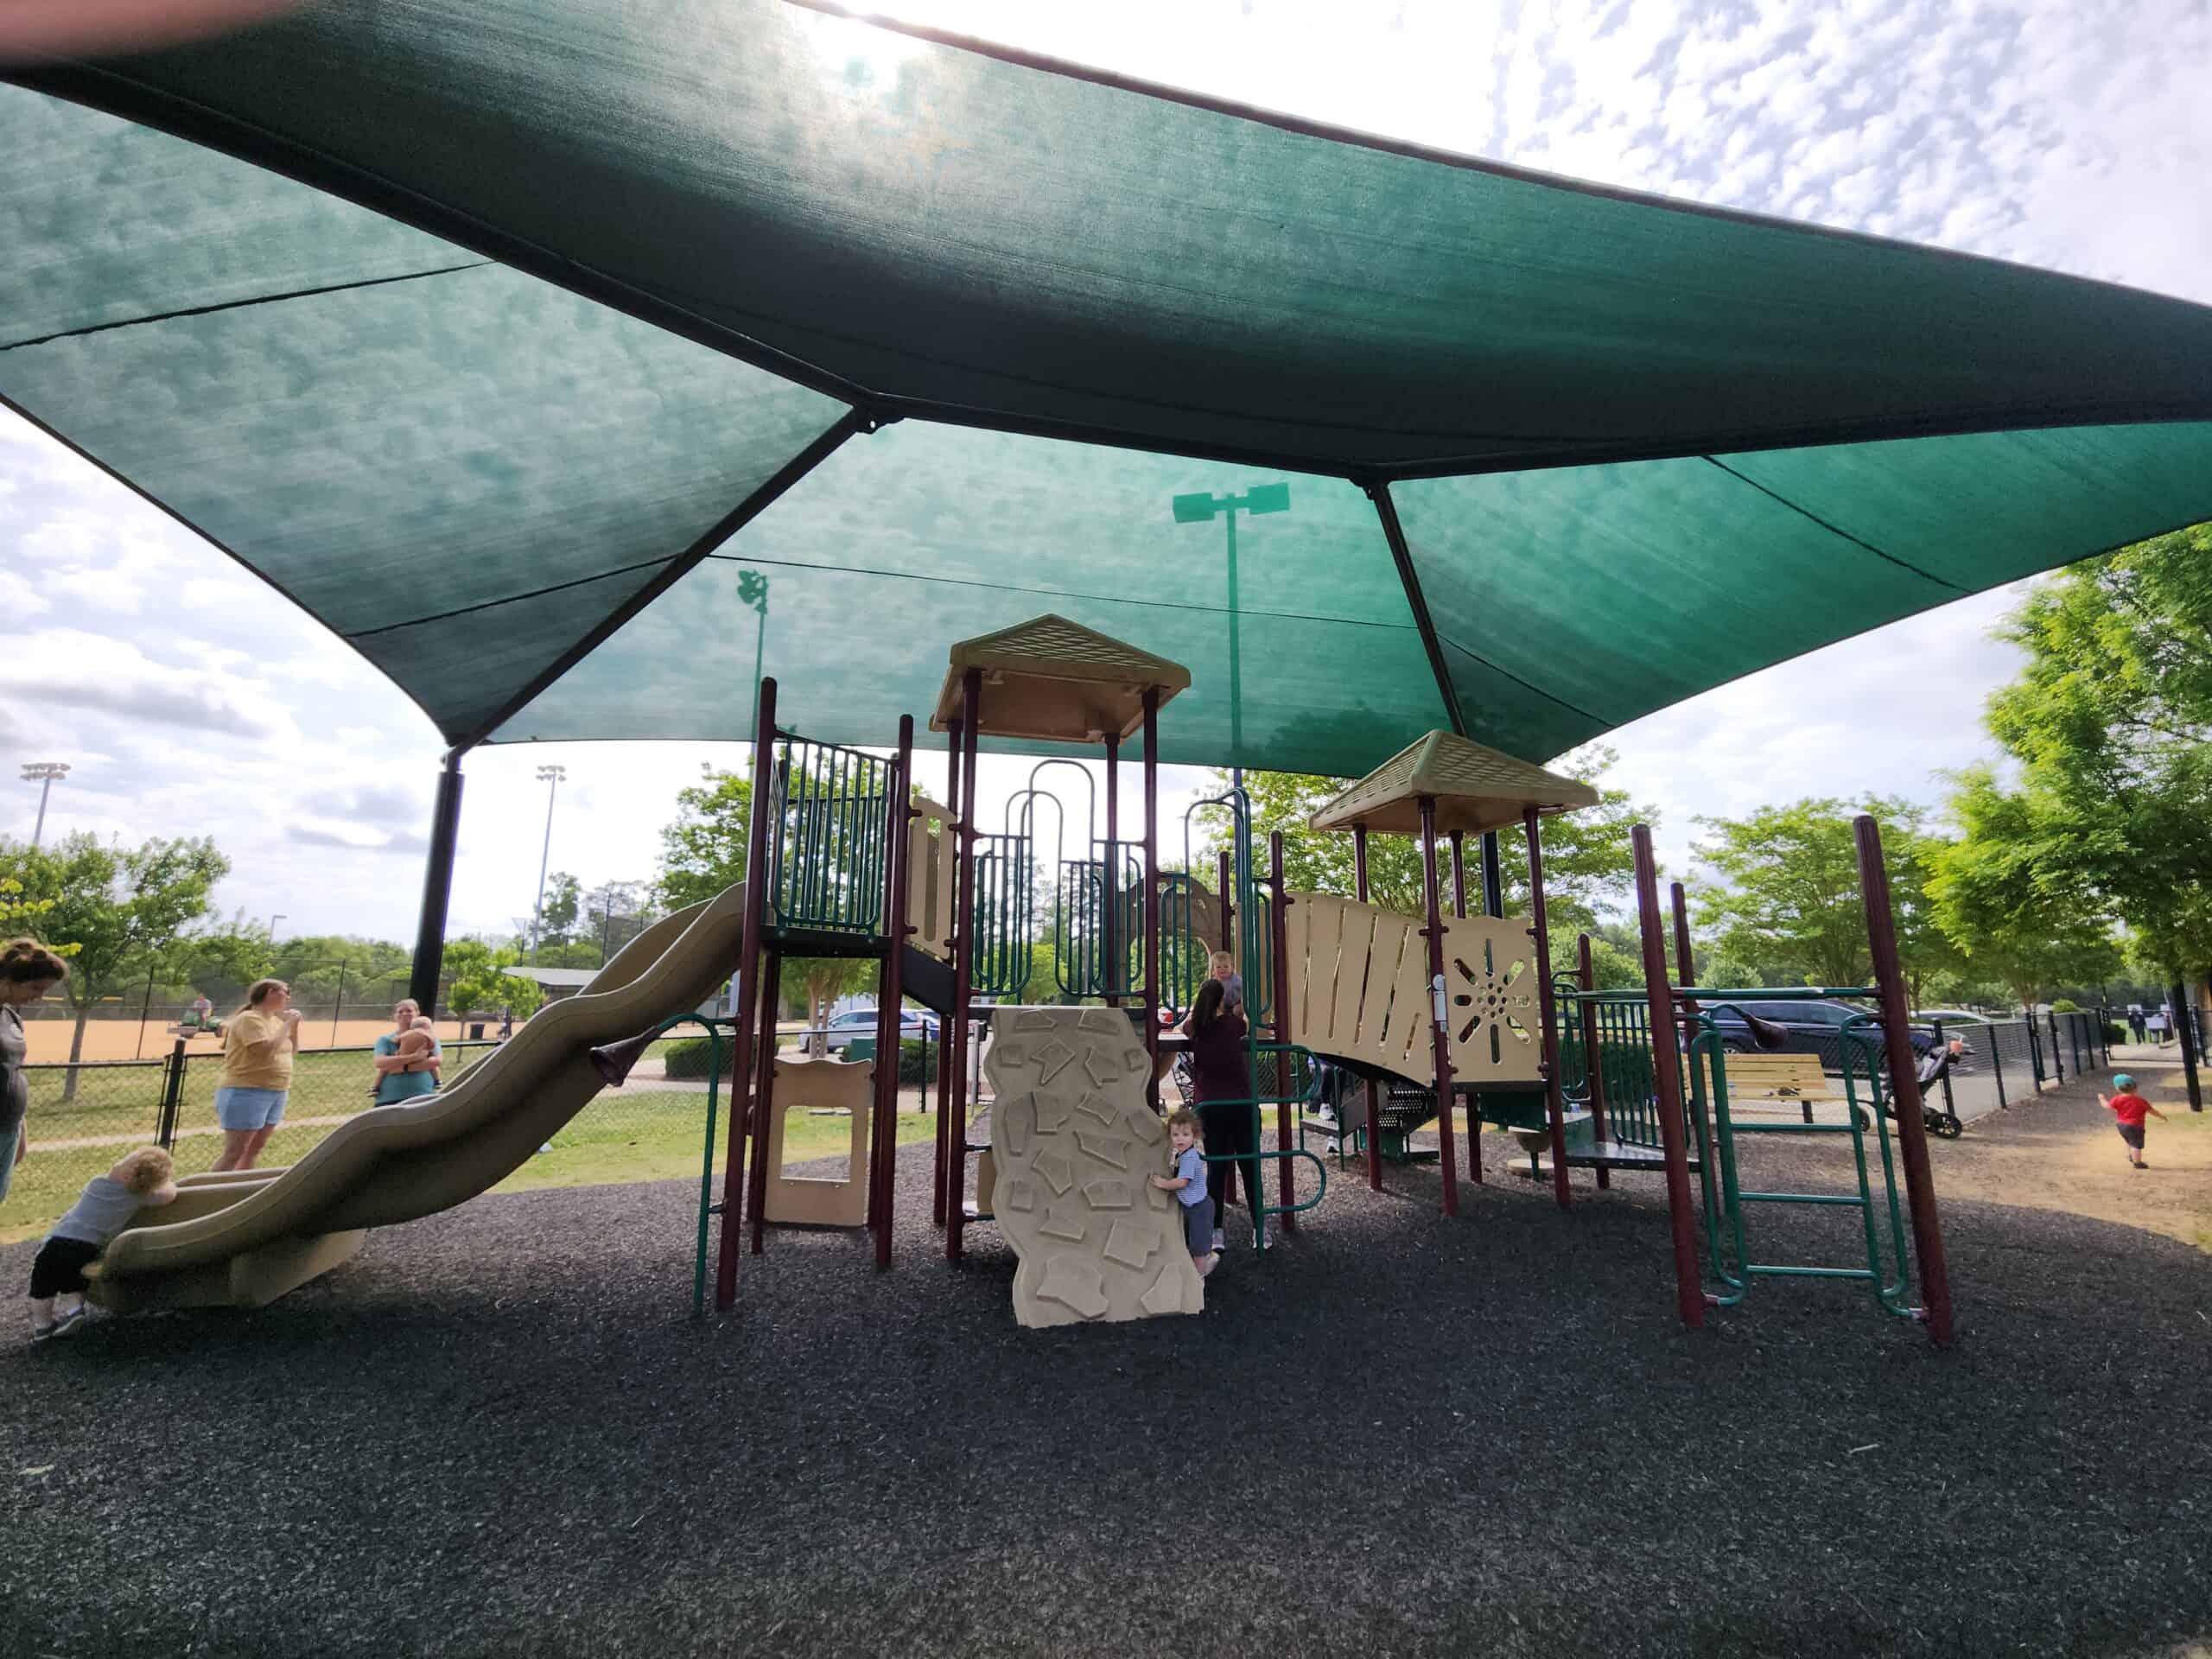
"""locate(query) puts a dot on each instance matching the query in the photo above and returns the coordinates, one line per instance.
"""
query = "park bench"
(1769, 1080)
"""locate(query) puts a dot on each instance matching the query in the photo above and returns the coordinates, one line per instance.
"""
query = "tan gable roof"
(1054, 680)
(1475, 788)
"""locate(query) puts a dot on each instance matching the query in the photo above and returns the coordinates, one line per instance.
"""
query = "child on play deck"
(2130, 1108)
(109, 1201)
(1188, 1184)
(1223, 968)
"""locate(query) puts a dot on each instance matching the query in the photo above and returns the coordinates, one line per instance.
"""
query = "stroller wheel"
(1944, 1127)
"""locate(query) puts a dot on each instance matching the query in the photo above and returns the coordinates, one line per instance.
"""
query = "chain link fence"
(2008, 1061)
(84, 1118)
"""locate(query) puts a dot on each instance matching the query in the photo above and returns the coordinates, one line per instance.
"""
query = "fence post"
(171, 1097)
(2184, 1025)
(1997, 1064)
(2057, 1056)
(2035, 1044)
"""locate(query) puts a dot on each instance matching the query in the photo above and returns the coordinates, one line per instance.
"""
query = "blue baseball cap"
(2121, 1080)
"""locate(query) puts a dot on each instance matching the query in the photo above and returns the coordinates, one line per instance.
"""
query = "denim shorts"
(250, 1108)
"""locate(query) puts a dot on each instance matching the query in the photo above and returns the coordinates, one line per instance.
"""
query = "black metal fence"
(2010, 1060)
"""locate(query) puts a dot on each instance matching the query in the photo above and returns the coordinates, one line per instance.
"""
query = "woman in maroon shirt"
(1221, 1073)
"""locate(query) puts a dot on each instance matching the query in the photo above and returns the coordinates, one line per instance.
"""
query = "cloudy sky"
(189, 699)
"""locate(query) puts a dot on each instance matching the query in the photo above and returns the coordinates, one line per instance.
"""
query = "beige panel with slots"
(1358, 987)
(1074, 1147)
(800, 1085)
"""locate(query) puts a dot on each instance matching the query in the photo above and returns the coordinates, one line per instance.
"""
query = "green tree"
(822, 980)
(703, 849)
(1589, 867)
(480, 983)
(2008, 894)
(120, 908)
(21, 917)
(1787, 910)
(557, 917)
(2111, 721)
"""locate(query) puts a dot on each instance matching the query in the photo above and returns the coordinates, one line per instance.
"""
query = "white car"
(915, 1025)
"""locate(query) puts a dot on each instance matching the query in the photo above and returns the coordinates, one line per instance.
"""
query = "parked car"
(915, 1025)
(1811, 1028)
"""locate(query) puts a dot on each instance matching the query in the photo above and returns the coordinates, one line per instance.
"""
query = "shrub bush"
(2065, 1005)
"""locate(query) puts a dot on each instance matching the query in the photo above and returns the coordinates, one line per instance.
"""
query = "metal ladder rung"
(1771, 1271)
(1799, 1198)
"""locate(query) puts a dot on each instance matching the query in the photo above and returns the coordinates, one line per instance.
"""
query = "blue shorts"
(250, 1108)
(1198, 1227)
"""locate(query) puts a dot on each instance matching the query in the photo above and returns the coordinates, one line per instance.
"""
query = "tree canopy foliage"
(1589, 868)
(2110, 721)
(702, 848)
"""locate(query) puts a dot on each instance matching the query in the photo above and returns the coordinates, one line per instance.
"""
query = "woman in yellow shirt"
(257, 1048)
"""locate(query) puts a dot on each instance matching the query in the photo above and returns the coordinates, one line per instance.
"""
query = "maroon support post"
(763, 1101)
(1279, 951)
(1904, 1080)
(1374, 1138)
(1439, 1033)
(1548, 1007)
(1109, 892)
(1585, 973)
(948, 1039)
(1151, 893)
(748, 989)
(1686, 965)
(1666, 1078)
(895, 931)
(964, 967)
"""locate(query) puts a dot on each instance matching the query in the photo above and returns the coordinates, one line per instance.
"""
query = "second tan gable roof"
(1475, 788)
(1057, 681)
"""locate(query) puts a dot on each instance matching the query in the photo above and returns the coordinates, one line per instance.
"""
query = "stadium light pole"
(273, 920)
(1200, 508)
(551, 777)
(752, 590)
(43, 773)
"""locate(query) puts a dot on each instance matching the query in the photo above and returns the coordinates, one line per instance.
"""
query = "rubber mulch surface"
(500, 1432)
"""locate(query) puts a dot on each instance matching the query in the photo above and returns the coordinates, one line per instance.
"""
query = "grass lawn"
(622, 1138)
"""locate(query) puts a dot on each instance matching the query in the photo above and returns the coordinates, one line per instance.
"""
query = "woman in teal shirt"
(397, 1080)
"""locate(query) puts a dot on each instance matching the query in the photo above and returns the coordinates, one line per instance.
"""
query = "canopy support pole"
(1402, 556)
(1279, 951)
(1493, 876)
(437, 888)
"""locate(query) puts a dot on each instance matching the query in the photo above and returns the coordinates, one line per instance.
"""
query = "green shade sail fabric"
(501, 335)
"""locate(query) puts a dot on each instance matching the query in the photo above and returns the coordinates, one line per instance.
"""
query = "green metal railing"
(1727, 1249)
(1290, 1071)
(719, 1034)
(829, 826)
(1623, 1022)
(1082, 964)
(1004, 876)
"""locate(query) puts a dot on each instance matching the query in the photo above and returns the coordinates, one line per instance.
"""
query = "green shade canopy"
(501, 335)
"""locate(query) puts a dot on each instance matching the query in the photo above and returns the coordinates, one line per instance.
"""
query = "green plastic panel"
(904, 542)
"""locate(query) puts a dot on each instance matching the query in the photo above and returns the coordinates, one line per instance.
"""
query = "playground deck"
(498, 1432)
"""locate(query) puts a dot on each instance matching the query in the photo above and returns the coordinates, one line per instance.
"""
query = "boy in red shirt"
(2130, 1108)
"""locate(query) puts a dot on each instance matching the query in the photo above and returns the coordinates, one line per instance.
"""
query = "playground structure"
(846, 859)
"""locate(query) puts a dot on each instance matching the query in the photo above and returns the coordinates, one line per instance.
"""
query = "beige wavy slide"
(242, 1239)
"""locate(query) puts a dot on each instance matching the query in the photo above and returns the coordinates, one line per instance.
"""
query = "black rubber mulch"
(500, 1433)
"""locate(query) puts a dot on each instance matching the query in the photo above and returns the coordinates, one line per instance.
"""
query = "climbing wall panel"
(1075, 1146)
